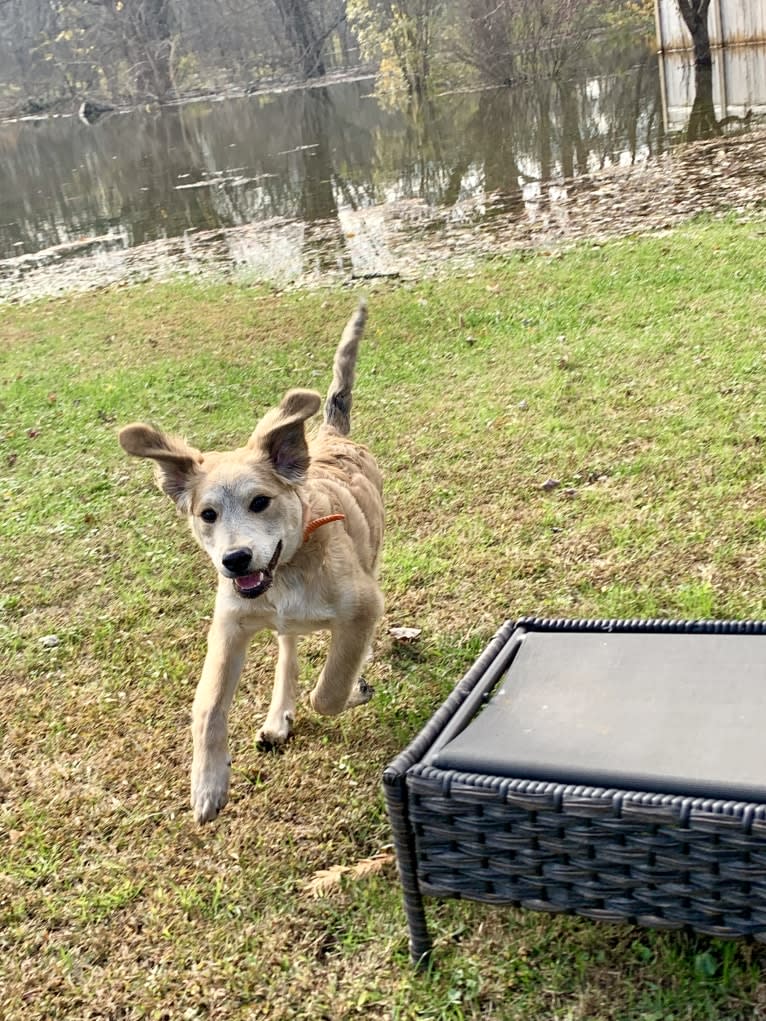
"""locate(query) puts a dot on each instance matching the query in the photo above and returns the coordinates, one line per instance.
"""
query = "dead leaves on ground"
(327, 881)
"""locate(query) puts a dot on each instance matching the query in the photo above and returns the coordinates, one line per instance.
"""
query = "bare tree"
(308, 26)
(65, 50)
(302, 30)
(508, 41)
(151, 33)
(140, 32)
(59, 51)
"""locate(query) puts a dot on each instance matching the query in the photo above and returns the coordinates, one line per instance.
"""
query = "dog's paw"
(361, 694)
(274, 738)
(209, 791)
(364, 690)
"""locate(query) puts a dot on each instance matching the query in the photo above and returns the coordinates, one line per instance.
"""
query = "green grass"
(630, 372)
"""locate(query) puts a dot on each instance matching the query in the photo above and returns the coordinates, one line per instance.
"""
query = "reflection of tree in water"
(314, 154)
(418, 151)
(497, 150)
(549, 132)
(608, 119)
(574, 151)
(148, 175)
(152, 209)
(324, 245)
(437, 165)
(103, 180)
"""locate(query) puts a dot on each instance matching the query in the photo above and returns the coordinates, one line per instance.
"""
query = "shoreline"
(410, 239)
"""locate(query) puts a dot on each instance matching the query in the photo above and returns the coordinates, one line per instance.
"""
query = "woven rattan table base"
(665, 861)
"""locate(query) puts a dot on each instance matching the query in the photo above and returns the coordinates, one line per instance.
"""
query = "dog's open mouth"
(255, 584)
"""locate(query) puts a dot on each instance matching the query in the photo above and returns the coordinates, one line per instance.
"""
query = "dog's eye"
(259, 503)
(208, 515)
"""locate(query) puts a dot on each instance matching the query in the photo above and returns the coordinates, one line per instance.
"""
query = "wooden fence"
(730, 23)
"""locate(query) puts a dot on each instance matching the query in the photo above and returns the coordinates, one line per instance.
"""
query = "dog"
(293, 526)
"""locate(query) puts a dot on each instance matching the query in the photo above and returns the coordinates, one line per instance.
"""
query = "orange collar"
(318, 522)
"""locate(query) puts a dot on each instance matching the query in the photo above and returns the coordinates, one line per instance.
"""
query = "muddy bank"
(409, 239)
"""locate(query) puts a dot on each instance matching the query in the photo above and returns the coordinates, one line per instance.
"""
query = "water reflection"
(318, 182)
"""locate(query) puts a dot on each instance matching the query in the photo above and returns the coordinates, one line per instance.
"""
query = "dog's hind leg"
(226, 650)
(279, 719)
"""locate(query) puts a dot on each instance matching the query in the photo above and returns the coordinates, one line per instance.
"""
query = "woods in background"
(55, 53)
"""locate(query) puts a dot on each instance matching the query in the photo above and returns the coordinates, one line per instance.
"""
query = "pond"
(324, 183)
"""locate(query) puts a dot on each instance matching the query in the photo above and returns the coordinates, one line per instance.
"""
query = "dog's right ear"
(176, 463)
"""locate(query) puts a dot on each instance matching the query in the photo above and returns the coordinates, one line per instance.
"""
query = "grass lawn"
(630, 372)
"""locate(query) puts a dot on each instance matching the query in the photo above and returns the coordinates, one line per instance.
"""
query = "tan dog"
(260, 513)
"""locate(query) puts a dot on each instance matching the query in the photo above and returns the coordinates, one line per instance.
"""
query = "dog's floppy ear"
(281, 434)
(176, 463)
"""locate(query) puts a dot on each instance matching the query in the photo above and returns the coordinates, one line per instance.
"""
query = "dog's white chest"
(298, 615)
(290, 611)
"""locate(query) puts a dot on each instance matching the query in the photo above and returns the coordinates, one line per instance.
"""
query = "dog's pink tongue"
(249, 581)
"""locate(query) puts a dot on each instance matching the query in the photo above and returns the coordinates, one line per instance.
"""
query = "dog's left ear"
(281, 434)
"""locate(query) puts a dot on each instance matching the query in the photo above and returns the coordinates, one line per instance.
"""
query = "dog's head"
(243, 505)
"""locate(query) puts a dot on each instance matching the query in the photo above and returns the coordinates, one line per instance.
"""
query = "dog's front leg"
(226, 650)
(279, 720)
(340, 685)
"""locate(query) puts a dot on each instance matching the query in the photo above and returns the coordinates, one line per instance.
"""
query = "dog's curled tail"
(337, 408)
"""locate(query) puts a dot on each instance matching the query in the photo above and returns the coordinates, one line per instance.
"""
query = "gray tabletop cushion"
(673, 713)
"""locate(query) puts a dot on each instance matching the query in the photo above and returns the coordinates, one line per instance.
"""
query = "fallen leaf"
(405, 634)
(372, 866)
(326, 880)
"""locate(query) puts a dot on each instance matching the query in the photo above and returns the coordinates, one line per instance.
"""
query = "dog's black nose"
(237, 560)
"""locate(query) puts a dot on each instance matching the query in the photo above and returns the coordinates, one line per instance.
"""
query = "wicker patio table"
(614, 769)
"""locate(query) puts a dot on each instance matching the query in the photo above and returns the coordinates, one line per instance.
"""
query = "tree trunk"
(694, 13)
(702, 119)
(304, 35)
(155, 75)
